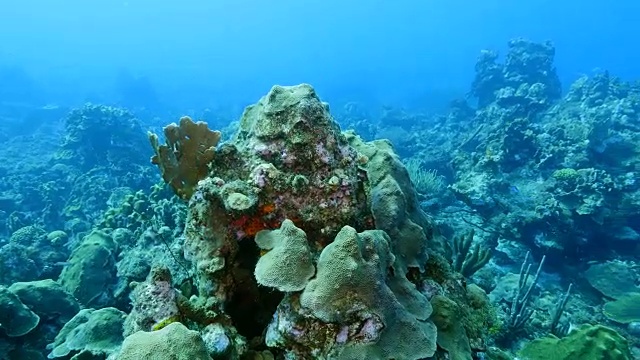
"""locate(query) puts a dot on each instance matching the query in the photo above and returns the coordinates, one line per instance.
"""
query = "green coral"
(16, 319)
(91, 269)
(287, 249)
(394, 204)
(352, 282)
(625, 309)
(452, 336)
(566, 174)
(90, 333)
(480, 317)
(613, 279)
(589, 342)
(47, 298)
(465, 260)
(174, 342)
(133, 211)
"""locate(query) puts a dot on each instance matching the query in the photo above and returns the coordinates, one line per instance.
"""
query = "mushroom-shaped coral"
(47, 298)
(287, 266)
(15, 318)
(90, 332)
(174, 342)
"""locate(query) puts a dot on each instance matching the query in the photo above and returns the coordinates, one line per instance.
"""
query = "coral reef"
(101, 135)
(16, 319)
(527, 73)
(337, 229)
(32, 314)
(290, 239)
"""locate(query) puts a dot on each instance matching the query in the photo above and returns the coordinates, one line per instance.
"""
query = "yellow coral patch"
(162, 324)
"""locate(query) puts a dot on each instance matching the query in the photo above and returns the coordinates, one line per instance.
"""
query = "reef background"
(423, 212)
(416, 54)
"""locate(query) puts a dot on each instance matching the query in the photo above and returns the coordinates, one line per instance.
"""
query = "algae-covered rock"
(16, 319)
(154, 302)
(287, 266)
(613, 279)
(90, 332)
(47, 298)
(625, 309)
(91, 270)
(589, 342)
(174, 342)
(452, 335)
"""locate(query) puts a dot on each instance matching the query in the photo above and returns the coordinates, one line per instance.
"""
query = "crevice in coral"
(252, 306)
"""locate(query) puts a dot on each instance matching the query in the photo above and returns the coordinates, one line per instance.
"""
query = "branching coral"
(466, 261)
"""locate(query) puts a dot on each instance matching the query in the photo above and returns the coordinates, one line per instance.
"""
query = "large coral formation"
(528, 72)
(286, 249)
(312, 198)
(557, 174)
(612, 279)
(381, 316)
(48, 299)
(625, 309)
(31, 313)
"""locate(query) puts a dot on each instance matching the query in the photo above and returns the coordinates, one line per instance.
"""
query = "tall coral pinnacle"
(184, 159)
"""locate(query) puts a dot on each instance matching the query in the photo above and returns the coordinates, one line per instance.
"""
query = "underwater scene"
(245, 180)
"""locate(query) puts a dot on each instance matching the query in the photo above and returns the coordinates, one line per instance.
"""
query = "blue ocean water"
(319, 180)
